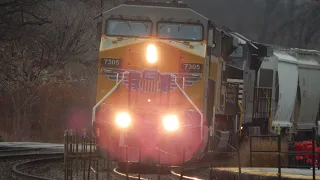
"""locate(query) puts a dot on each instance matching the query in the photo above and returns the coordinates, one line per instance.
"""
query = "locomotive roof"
(153, 3)
(307, 52)
(172, 12)
(155, 13)
(161, 11)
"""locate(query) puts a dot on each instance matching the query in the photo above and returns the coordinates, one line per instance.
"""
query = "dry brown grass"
(262, 159)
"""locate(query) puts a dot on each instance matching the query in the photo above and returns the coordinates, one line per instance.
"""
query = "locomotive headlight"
(123, 120)
(171, 123)
(152, 54)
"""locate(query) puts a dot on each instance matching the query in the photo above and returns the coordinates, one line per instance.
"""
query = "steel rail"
(28, 156)
(19, 150)
(18, 174)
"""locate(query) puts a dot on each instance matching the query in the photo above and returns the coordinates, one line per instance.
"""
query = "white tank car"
(296, 87)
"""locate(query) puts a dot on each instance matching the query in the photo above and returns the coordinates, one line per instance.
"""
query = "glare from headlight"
(171, 123)
(123, 120)
(152, 54)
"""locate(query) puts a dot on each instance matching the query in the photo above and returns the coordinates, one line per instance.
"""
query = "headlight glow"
(171, 123)
(123, 120)
(152, 54)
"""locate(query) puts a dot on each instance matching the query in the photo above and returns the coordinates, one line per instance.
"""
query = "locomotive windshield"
(129, 28)
(180, 31)
(237, 53)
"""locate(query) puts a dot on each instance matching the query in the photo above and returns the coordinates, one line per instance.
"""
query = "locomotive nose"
(148, 137)
(147, 141)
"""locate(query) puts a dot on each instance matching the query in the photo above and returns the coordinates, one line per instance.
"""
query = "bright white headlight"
(123, 120)
(152, 54)
(171, 123)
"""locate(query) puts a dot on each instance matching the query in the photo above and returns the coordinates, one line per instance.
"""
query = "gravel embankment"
(48, 170)
(56, 171)
(7, 164)
(6, 167)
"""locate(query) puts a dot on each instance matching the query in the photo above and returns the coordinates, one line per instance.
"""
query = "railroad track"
(20, 153)
(13, 151)
(17, 149)
(28, 156)
(196, 170)
(12, 159)
(17, 170)
(20, 158)
(120, 175)
(174, 175)
(191, 171)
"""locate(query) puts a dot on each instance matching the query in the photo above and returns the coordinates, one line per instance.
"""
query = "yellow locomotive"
(157, 81)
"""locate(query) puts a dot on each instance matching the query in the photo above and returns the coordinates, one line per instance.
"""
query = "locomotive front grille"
(149, 86)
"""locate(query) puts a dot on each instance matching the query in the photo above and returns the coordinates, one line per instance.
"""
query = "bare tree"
(270, 7)
(19, 77)
(303, 26)
(18, 15)
(63, 34)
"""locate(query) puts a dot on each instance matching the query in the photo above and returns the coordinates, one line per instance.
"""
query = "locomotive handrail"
(106, 96)
(188, 98)
(117, 78)
(183, 83)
